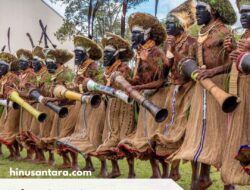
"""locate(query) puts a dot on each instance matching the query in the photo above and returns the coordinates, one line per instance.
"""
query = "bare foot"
(229, 187)
(11, 157)
(75, 168)
(17, 158)
(64, 166)
(103, 174)
(175, 175)
(51, 162)
(155, 176)
(131, 176)
(88, 168)
(114, 174)
(204, 183)
(39, 161)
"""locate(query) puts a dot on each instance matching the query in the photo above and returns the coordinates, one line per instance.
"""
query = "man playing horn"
(179, 44)
(203, 142)
(27, 79)
(57, 74)
(10, 117)
(87, 135)
(234, 169)
(119, 120)
(150, 72)
(37, 129)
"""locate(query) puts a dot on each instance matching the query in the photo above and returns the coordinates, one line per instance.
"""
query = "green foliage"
(67, 75)
(99, 76)
(194, 30)
(107, 18)
(66, 31)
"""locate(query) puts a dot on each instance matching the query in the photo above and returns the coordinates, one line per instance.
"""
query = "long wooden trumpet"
(61, 91)
(227, 101)
(14, 96)
(93, 86)
(158, 113)
(61, 111)
(9, 104)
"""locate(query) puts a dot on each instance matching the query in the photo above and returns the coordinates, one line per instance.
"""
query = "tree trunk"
(97, 6)
(156, 6)
(89, 17)
(123, 18)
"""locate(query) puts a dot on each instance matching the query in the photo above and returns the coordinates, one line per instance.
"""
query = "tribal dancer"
(27, 77)
(37, 130)
(238, 131)
(149, 76)
(179, 45)
(119, 121)
(206, 127)
(10, 117)
(87, 135)
(57, 74)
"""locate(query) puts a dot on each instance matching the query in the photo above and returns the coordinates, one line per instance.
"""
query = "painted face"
(4, 68)
(137, 39)
(109, 57)
(173, 26)
(245, 16)
(80, 56)
(23, 64)
(51, 66)
(203, 15)
(36, 65)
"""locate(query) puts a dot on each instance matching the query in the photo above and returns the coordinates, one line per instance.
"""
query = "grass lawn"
(142, 170)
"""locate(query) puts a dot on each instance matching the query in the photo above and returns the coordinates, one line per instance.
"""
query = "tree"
(94, 17)
(107, 18)
(126, 4)
(81, 13)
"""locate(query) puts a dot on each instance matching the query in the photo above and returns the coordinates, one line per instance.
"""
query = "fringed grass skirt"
(10, 126)
(204, 139)
(139, 144)
(170, 133)
(88, 131)
(119, 124)
(238, 134)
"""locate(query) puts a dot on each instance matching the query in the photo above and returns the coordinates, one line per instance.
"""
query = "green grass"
(142, 170)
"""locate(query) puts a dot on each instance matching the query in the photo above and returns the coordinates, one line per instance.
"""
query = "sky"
(164, 7)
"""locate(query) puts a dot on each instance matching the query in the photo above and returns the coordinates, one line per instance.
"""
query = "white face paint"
(147, 34)
(80, 48)
(137, 28)
(109, 48)
(23, 58)
(208, 7)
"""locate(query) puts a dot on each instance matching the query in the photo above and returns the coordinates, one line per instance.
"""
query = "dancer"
(88, 131)
(179, 45)
(150, 74)
(203, 142)
(119, 120)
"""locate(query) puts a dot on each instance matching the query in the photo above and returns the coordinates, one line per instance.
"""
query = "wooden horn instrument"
(93, 86)
(158, 113)
(227, 101)
(61, 111)
(14, 96)
(61, 91)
